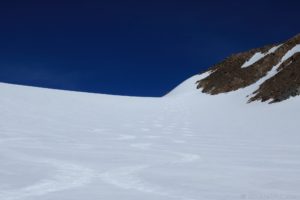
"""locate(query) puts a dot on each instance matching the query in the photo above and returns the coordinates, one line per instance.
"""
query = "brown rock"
(228, 75)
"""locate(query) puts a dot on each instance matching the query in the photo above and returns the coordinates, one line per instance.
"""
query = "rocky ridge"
(277, 66)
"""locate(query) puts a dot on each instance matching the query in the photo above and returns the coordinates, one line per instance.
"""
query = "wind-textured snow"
(258, 56)
(60, 145)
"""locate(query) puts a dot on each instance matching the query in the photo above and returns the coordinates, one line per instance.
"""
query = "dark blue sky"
(142, 48)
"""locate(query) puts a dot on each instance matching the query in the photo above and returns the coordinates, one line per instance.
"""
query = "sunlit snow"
(59, 145)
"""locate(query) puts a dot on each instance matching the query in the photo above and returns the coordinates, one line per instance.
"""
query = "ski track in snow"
(67, 176)
(128, 177)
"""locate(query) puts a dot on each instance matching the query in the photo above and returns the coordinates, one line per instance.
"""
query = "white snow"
(291, 52)
(259, 55)
(273, 49)
(256, 57)
(185, 146)
(188, 86)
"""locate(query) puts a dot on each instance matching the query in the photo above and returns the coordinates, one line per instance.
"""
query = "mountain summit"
(274, 69)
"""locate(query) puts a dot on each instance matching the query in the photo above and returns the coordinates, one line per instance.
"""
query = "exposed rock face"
(232, 73)
(284, 84)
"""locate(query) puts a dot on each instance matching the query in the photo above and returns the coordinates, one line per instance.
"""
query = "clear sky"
(142, 48)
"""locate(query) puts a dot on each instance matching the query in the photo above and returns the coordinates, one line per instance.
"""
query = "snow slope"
(60, 145)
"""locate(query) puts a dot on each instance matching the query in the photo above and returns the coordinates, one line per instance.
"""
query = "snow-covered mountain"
(187, 145)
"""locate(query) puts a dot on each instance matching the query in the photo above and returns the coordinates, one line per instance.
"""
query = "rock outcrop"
(244, 69)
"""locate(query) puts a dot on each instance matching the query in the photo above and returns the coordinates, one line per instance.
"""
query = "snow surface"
(188, 86)
(259, 55)
(60, 145)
